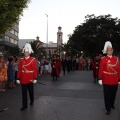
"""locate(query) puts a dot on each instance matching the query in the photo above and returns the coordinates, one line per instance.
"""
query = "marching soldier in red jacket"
(27, 74)
(109, 76)
(55, 70)
(58, 62)
(95, 66)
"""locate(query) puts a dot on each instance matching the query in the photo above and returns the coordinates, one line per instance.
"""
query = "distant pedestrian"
(11, 73)
(64, 65)
(58, 62)
(3, 73)
(55, 70)
(16, 63)
(74, 64)
(95, 67)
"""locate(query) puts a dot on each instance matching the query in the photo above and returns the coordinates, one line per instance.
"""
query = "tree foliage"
(12, 51)
(37, 48)
(92, 34)
(66, 48)
(10, 11)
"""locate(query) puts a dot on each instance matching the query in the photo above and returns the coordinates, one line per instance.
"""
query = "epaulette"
(32, 57)
(116, 57)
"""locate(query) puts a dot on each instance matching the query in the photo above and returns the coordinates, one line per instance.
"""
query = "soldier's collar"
(27, 57)
(109, 56)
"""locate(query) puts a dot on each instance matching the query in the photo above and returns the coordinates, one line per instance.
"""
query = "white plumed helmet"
(27, 48)
(107, 45)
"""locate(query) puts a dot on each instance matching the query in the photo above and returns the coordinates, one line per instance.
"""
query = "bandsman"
(109, 76)
(27, 75)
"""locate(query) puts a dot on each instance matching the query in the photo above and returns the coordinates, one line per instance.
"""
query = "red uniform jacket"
(109, 70)
(58, 65)
(55, 71)
(95, 66)
(27, 70)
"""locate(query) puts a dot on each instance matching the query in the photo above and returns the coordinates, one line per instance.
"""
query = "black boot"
(97, 79)
(107, 112)
(23, 108)
(53, 78)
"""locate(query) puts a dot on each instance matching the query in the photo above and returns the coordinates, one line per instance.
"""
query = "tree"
(91, 35)
(10, 11)
(66, 48)
(12, 51)
(37, 48)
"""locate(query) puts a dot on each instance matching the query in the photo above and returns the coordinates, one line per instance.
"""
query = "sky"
(65, 13)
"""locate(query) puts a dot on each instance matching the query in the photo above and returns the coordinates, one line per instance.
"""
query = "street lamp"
(47, 37)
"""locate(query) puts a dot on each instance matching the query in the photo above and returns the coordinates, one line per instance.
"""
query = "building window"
(16, 33)
(15, 42)
(54, 51)
(7, 38)
(11, 40)
(12, 31)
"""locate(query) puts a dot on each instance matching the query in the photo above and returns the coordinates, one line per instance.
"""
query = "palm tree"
(38, 49)
(66, 48)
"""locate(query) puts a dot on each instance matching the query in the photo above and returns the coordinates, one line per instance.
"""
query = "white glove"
(34, 81)
(100, 82)
(119, 82)
(18, 81)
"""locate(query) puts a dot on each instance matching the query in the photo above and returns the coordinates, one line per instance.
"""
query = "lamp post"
(47, 37)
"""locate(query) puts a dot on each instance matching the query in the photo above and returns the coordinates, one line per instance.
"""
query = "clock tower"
(59, 37)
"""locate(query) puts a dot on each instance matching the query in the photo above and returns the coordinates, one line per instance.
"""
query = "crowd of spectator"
(9, 68)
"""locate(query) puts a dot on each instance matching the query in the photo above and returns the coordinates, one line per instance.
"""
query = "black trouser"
(15, 76)
(30, 89)
(73, 68)
(109, 95)
(68, 68)
(54, 73)
(64, 70)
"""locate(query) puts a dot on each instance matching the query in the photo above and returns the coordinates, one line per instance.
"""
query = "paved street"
(72, 97)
